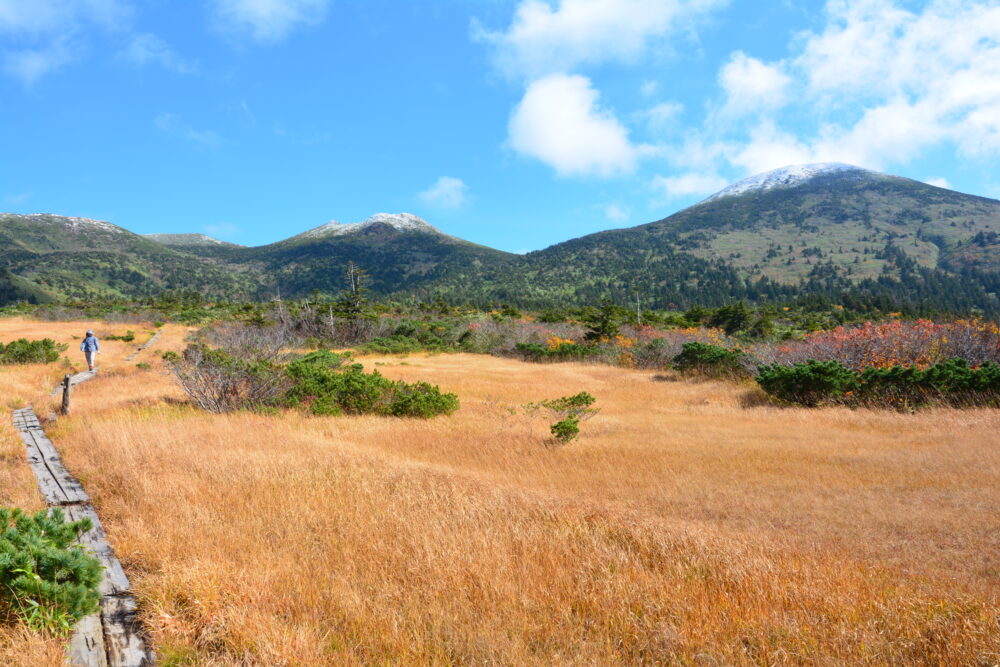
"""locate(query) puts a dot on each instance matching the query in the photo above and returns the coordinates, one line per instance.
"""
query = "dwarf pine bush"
(327, 384)
(710, 360)
(570, 409)
(951, 382)
(24, 351)
(48, 582)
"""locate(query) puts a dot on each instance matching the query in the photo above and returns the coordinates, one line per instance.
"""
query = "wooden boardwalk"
(111, 637)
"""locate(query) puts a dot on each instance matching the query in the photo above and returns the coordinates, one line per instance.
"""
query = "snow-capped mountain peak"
(76, 223)
(784, 177)
(404, 222)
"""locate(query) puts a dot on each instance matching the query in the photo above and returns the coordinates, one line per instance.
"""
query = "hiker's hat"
(89, 332)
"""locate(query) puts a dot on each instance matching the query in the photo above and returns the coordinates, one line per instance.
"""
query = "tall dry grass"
(685, 525)
(31, 385)
(690, 524)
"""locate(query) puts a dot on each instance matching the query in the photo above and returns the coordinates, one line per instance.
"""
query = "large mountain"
(829, 229)
(45, 257)
(826, 228)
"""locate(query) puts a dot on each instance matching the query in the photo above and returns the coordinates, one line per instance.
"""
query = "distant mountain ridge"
(827, 228)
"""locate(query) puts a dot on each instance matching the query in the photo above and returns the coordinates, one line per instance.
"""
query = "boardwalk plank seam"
(113, 636)
(143, 347)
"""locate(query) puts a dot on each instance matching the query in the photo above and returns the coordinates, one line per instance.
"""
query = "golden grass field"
(692, 523)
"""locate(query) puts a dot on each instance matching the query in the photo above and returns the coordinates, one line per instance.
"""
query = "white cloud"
(939, 182)
(269, 20)
(878, 84)
(559, 122)
(662, 117)
(617, 213)
(40, 36)
(751, 85)
(544, 38)
(29, 65)
(688, 184)
(221, 229)
(172, 124)
(446, 192)
(38, 17)
(147, 48)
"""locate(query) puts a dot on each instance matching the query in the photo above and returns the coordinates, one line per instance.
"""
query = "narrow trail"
(112, 636)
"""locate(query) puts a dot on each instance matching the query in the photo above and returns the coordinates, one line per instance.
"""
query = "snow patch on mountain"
(77, 223)
(186, 239)
(785, 177)
(404, 222)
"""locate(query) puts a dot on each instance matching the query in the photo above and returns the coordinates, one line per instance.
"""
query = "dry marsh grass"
(683, 527)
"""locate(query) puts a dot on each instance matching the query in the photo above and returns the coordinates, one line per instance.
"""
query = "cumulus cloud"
(147, 48)
(40, 36)
(560, 123)
(544, 38)
(939, 182)
(268, 20)
(172, 124)
(878, 84)
(751, 85)
(688, 184)
(446, 192)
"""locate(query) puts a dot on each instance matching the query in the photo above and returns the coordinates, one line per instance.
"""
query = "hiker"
(90, 346)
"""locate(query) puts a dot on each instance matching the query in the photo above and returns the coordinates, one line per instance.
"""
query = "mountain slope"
(400, 252)
(805, 229)
(54, 257)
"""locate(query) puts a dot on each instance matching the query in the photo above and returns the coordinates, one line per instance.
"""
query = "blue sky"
(516, 124)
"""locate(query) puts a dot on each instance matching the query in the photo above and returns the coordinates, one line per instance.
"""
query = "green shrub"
(950, 382)
(561, 352)
(710, 360)
(571, 409)
(566, 429)
(24, 351)
(127, 338)
(325, 383)
(811, 383)
(395, 345)
(48, 581)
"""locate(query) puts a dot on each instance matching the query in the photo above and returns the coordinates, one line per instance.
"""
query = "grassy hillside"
(62, 257)
(873, 239)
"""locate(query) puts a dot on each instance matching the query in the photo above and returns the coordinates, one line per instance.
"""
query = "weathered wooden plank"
(74, 380)
(123, 638)
(143, 347)
(86, 648)
(112, 638)
(95, 540)
(69, 488)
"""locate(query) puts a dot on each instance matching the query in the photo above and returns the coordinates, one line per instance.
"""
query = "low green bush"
(396, 345)
(709, 360)
(570, 409)
(24, 351)
(327, 384)
(951, 382)
(561, 352)
(811, 383)
(127, 338)
(48, 581)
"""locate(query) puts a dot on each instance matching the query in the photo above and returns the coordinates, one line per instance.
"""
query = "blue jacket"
(90, 344)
